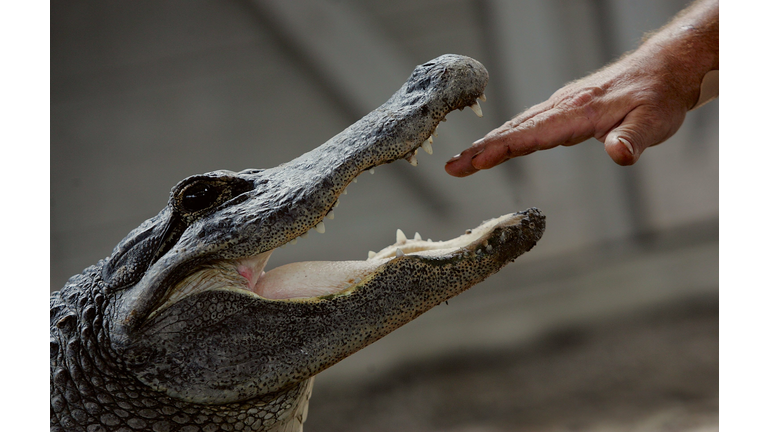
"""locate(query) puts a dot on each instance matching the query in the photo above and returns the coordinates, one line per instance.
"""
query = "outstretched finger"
(461, 164)
(546, 130)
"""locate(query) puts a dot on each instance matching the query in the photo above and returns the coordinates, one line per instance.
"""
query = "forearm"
(635, 103)
(687, 48)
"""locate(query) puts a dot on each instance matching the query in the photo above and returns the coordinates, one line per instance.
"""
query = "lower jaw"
(313, 279)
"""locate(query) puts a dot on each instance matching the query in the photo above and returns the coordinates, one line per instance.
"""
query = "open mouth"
(324, 280)
(320, 280)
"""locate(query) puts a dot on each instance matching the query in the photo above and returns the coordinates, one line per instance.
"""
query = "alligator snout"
(395, 130)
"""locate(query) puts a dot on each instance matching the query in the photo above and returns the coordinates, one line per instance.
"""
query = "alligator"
(180, 328)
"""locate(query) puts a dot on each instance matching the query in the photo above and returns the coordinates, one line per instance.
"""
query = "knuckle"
(581, 97)
(531, 123)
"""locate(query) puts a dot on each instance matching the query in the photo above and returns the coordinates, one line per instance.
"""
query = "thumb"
(643, 127)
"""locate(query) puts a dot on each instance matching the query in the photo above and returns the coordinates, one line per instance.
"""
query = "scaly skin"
(169, 333)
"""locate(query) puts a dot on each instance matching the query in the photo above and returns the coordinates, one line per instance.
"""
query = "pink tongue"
(313, 278)
(249, 273)
(252, 268)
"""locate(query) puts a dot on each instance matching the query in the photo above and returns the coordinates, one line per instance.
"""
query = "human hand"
(627, 106)
(637, 102)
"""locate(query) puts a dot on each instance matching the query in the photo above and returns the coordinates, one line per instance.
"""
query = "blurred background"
(609, 324)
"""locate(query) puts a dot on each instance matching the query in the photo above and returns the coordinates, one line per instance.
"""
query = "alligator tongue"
(313, 278)
(253, 268)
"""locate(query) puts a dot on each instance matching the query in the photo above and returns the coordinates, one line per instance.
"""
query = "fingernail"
(454, 159)
(627, 145)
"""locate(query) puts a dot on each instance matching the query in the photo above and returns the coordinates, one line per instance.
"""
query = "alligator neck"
(91, 391)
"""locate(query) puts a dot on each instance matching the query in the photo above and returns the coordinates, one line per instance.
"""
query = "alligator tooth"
(320, 227)
(430, 139)
(411, 158)
(482, 97)
(476, 108)
(399, 253)
(400, 236)
(370, 170)
(417, 236)
(434, 132)
(371, 254)
(345, 192)
(294, 241)
(427, 146)
(330, 215)
(354, 180)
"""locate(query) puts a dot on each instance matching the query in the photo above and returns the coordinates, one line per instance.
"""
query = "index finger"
(461, 164)
(521, 136)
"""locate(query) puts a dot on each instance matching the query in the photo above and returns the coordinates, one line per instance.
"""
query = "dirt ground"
(655, 371)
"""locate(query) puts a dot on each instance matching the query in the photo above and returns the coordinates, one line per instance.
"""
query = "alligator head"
(190, 314)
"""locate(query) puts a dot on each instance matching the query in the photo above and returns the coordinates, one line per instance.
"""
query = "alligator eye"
(199, 196)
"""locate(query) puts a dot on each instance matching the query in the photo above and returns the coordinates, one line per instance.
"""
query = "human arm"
(637, 102)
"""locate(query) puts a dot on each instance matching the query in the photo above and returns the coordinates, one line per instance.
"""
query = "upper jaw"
(287, 201)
